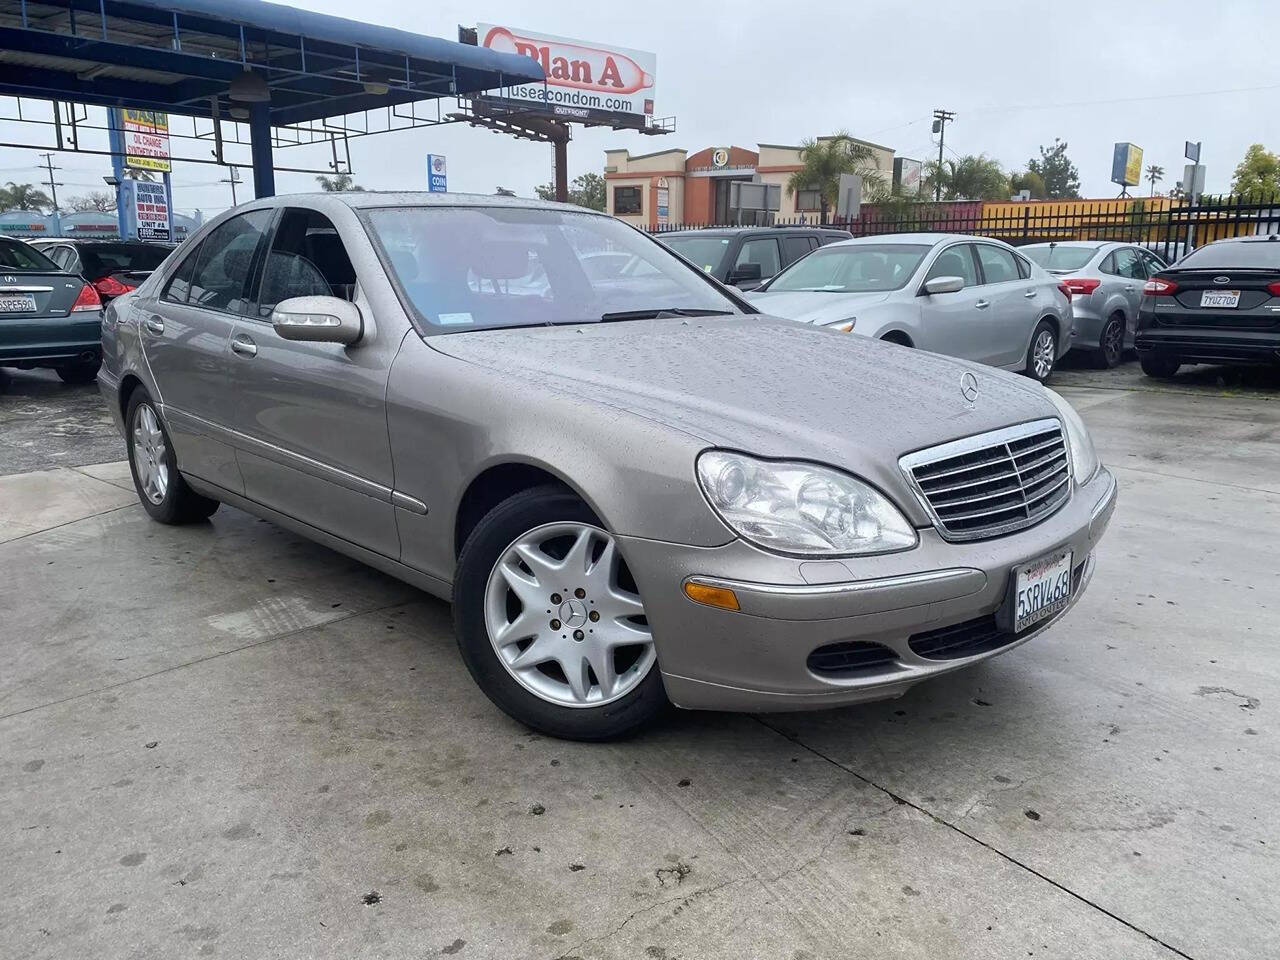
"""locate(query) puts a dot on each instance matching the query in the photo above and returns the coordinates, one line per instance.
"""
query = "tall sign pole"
(940, 120)
(1192, 153)
(115, 137)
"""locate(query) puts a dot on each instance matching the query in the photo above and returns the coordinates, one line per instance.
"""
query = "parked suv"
(748, 256)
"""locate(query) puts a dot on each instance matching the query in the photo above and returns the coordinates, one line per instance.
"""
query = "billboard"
(907, 176)
(146, 140)
(437, 174)
(1126, 164)
(146, 207)
(585, 81)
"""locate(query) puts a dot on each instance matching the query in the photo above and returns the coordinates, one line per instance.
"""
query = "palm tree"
(1155, 173)
(825, 159)
(338, 183)
(23, 196)
(970, 178)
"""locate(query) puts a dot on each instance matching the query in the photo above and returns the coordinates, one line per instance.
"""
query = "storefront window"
(626, 200)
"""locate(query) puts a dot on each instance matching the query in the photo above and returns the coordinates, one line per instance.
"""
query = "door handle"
(244, 346)
(155, 325)
(982, 304)
(1031, 293)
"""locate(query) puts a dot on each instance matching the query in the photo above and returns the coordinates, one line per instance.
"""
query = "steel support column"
(264, 175)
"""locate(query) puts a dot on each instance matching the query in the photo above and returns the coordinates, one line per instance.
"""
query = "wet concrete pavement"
(226, 741)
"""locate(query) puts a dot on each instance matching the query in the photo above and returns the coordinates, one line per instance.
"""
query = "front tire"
(78, 373)
(1042, 355)
(1110, 344)
(161, 488)
(550, 623)
(1159, 367)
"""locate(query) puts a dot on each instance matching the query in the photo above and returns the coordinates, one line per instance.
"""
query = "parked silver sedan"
(963, 296)
(634, 490)
(1106, 280)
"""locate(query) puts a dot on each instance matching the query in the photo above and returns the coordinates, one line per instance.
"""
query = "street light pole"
(940, 119)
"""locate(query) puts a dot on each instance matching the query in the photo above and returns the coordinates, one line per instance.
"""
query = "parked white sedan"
(958, 295)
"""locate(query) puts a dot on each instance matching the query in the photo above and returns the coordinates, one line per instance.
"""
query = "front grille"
(850, 658)
(994, 483)
(979, 635)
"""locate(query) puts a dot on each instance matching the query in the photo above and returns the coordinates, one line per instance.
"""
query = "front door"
(955, 323)
(1013, 309)
(312, 416)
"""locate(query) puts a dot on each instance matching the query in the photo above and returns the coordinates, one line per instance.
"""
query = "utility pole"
(53, 190)
(940, 119)
(234, 179)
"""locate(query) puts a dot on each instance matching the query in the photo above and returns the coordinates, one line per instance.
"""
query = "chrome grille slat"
(998, 482)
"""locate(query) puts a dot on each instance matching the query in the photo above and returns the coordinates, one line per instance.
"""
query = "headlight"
(1084, 457)
(801, 507)
(844, 326)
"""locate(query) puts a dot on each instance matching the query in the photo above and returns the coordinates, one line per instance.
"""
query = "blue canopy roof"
(177, 55)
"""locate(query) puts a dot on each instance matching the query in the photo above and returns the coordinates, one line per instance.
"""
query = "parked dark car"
(1219, 304)
(747, 256)
(48, 317)
(114, 267)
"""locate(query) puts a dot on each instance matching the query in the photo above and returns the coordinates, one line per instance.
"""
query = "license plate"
(1220, 298)
(19, 303)
(1041, 589)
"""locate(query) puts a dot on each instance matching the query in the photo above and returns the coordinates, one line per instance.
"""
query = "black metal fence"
(1170, 227)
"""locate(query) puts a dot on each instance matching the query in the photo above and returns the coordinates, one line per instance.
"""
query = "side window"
(307, 259)
(227, 261)
(59, 255)
(762, 250)
(955, 261)
(793, 248)
(179, 285)
(1108, 265)
(1128, 264)
(997, 264)
(1153, 263)
(1024, 267)
(626, 201)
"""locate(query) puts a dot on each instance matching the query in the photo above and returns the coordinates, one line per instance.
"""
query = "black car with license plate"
(48, 317)
(1219, 304)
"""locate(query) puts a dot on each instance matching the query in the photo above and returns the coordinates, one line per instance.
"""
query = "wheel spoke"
(526, 625)
(601, 659)
(578, 560)
(525, 586)
(540, 651)
(575, 671)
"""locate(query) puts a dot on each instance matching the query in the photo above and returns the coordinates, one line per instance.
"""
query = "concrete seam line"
(1212, 483)
(212, 656)
(902, 801)
(67, 523)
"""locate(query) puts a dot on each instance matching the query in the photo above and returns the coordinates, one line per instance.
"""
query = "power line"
(1094, 103)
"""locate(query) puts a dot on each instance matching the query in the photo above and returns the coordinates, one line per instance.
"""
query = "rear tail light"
(1066, 290)
(1274, 288)
(87, 299)
(111, 287)
(1081, 286)
(1159, 288)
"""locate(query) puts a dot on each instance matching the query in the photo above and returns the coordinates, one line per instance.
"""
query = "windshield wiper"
(655, 313)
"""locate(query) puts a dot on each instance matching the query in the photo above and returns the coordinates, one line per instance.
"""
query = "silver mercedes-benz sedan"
(1106, 280)
(967, 297)
(634, 488)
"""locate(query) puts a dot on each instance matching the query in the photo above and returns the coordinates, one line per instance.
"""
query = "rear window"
(16, 255)
(1059, 257)
(103, 259)
(1241, 255)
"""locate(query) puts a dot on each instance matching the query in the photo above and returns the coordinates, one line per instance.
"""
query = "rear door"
(1131, 275)
(793, 248)
(186, 331)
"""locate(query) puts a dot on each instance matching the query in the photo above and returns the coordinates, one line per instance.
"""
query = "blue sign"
(146, 210)
(437, 181)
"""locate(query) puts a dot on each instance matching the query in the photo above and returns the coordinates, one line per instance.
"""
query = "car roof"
(928, 239)
(734, 231)
(368, 199)
(1255, 238)
(1094, 244)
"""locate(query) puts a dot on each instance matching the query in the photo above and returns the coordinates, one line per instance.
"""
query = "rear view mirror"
(944, 285)
(745, 272)
(318, 320)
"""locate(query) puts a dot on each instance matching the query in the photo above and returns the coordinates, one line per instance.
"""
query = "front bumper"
(1205, 345)
(756, 658)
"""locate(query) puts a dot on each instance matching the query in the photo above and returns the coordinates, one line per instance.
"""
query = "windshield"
(479, 268)
(1058, 257)
(103, 259)
(1237, 254)
(706, 252)
(16, 255)
(857, 268)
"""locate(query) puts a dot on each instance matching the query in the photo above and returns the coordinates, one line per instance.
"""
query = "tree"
(825, 159)
(338, 183)
(585, 191)
(137, 173)
(23, 196)
(1155, 173)
(969, 178)
(1258, 172)
(1029, 181)
(1060, 176)
(95, 200)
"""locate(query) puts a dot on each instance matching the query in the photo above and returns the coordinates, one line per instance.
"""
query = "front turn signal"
(705, 593)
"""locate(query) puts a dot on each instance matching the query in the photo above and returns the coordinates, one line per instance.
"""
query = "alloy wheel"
(1042, 354)
(1113, 342)
(149, 454)
(565, 618)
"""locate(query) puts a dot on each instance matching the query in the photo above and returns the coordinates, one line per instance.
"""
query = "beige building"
(714, 185)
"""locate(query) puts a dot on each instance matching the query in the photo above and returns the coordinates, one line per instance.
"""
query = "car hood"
(814, 307)
(764, 386)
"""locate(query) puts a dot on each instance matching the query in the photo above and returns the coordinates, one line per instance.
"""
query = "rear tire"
(161, 488)
(1159, 367)
(1042, 355)
(503, 554)
(1110, 350)
(78, 373)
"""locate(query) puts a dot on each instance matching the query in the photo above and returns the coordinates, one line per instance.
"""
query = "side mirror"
(944, 285)
(318, 320)
(745, 273)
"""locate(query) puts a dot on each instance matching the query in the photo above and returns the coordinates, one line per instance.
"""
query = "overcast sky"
(1017, 75)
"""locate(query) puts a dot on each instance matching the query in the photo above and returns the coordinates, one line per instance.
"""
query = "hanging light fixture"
(239, 113)
(249, 87)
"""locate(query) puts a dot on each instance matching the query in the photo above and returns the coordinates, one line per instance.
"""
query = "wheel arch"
(128, 384)
(498, 481)
(898, 336)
